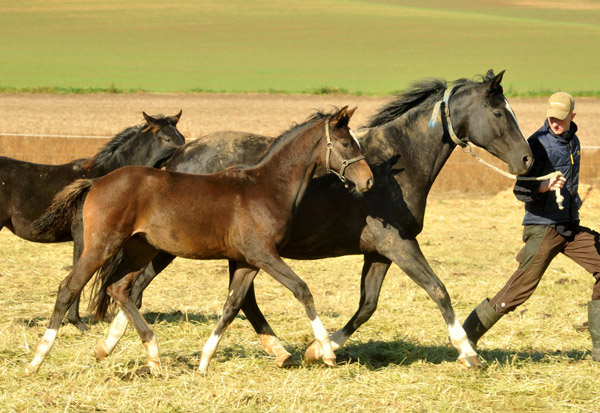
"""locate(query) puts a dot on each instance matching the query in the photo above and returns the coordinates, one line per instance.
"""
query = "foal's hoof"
(100, 350)
(154, 365)
(329, 361)
(314, 352)
(471, 361)
(31, 369)
(285, 361)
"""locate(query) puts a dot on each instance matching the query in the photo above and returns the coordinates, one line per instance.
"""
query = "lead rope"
(552, 175)
(466, 147)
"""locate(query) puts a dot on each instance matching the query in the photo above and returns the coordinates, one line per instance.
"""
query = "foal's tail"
(60, 213)
(100, 301)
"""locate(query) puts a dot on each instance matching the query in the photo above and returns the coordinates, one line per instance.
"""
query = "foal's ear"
(342, 118)
(149, 118)
(175, 118)
(494, 82)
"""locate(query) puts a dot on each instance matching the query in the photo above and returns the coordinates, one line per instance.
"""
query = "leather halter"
(436, 111)
(345, 162)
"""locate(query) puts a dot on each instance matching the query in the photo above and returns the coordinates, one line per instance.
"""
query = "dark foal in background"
(28, 188)
(241, 214)
(407, 145)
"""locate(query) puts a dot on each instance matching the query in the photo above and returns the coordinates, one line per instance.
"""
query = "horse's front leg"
(269, 260)
(269, 340)
(375, 268)
(406, 253)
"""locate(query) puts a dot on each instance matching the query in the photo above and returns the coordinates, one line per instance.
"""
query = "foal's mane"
(295, 128)
(109, 149)
(420, 93)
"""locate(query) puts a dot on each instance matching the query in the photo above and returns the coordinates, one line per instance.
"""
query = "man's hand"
(553, 184)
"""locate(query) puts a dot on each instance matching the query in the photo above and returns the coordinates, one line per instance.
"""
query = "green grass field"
(368, 47)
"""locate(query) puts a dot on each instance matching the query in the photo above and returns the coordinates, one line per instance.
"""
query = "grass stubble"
(399, 361)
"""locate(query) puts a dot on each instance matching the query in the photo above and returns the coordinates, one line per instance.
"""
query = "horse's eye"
(167, 139)
(498, 114)
(345, 144)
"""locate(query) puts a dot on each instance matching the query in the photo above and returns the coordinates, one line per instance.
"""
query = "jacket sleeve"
(527, 191)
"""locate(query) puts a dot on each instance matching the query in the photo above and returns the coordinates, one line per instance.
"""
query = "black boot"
(481, 319)
(594, 323)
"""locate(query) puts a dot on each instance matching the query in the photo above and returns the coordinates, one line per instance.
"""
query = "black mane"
(423, 92)
(108, 151)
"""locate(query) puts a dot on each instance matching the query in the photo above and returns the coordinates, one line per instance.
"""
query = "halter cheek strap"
(436, 112)
(345, 162)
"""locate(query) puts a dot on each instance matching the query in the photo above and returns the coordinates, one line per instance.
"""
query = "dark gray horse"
(407, 144)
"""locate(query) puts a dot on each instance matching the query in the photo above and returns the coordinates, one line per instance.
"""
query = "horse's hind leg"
(68, 290)
(375, 268)
(119, 324)
(77, 234)
(271, 262)
(136, 255)
(239, 284)
(268, 338)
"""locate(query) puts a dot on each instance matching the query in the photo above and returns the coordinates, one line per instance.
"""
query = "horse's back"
(219, 150)
(27, 190)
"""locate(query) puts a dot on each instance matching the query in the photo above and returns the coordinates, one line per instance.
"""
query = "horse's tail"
(60, 213)
(100, 301)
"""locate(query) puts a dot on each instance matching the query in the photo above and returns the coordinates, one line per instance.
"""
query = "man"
(548, 230)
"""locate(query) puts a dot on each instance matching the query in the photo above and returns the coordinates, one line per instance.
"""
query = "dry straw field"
(399, 361)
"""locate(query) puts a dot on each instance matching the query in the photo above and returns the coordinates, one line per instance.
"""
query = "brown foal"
(242, 214)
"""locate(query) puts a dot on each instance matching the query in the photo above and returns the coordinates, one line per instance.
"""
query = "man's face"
(559, 126)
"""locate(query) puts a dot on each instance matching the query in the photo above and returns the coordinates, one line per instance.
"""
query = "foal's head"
(343, 156)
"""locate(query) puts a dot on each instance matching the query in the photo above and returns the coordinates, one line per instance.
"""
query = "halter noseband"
(345, 162)
(436, 111)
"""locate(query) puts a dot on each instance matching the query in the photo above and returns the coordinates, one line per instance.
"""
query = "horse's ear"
(176, 117)
(494, 82)
(490, 74)
(341, 118)
(149, 118)
(351, 112)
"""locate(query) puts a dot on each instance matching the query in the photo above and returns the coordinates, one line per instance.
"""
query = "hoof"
(154, 365)
(285, 361)
(201, 373)
(80, 325)
(31, 369)
(314, 352)
(100, 350)
(471, 361)
(329, 361)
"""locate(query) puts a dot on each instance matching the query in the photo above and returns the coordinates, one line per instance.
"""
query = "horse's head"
(481, 114)
(343, 156)
(164, 129)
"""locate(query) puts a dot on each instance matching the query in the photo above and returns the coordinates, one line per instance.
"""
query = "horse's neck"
(129, 153)
(423, 151)
(290, 166)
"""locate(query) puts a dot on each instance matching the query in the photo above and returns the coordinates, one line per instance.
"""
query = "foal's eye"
(498, 114)
(345, 144)
(167, 139)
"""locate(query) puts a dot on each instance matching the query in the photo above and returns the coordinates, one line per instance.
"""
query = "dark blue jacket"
(552, 153)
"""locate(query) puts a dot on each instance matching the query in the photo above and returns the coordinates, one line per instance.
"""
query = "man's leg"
(542, 244)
